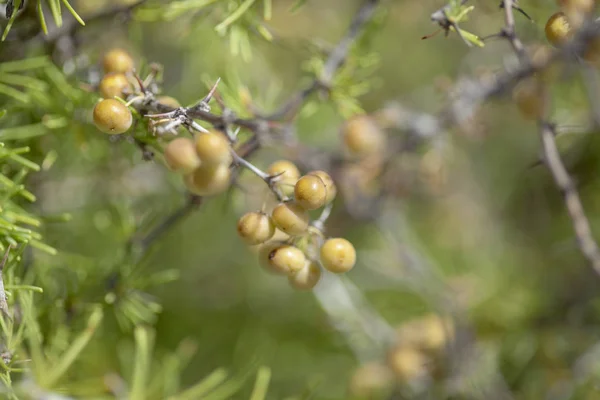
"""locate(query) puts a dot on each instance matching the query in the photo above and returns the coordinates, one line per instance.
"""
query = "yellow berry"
(310, 192)
(213, 148)
(362, 136)
(255, 228)
(429, 333)
(287, 259)
(113, 84)
(208, 180)
(117, 60)
(338, 255)
(329, 184)
(288, 174)
(168, 101)
(408, 363)
(180, 155)
(558, 30)
(264, 256)
(307, 278)
(529, 97)
(291, 218)
(112, 117)
(371, 381)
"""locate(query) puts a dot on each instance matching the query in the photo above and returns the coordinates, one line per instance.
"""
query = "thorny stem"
(551, 155)
(268, 179)
(563, 181)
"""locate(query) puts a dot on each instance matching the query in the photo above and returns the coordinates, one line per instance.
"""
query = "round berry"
(558, 30)
(287, 259)
(430, 333)
(362, 136)
(329, 184)
(168, 101)
(213, 148)
(264, 253)
(287, 175)
(117, 60)
(113, 84)
(291, 218)
(408, 363)
(307, 278)
(372, 381)
(180, 155)
(528, 95)
(310, 192)
(255, 228)
(208, 180)
(338, 255)
(112, 117)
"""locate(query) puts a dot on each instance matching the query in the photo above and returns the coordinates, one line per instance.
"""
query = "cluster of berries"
(112, 116)
(417, 356)
(287, 243)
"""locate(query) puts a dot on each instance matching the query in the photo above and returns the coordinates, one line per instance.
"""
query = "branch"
(565, 184)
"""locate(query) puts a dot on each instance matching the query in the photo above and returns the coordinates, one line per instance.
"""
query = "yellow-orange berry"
(362, 136)
(113, 84)
(429, 333)
(213, 148)
(291, 218)
(168, 101)
(264, 256)
(112, 117)
(255, 228)
(307, 278)
(208, 180)
(529, 97)
(287, 259)
(180, 155)
(408, 363)
(310, 192)
(117, 60)
(558, 30)
(371, 380)
(338, 255)
(329, 184)
(288, 174)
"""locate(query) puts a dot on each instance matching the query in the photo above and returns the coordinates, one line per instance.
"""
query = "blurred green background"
(493, 231)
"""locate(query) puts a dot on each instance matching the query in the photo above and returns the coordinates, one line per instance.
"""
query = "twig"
(3, 303)
(581, 225)
(145, 242)
(509, 29)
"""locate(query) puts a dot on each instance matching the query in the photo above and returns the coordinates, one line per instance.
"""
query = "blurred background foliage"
(109, 324)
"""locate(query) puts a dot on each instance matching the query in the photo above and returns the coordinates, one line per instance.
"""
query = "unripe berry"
(180, 155)
(329, 184)
(310, 192)
(208, 180)
(113, 84)
(371, 381)
(112, 117)
(307, 278)
(287, 259)
(255, 228)
(213, 148)
(117, 60)
(529, 97)
(168, 101)
(362, 136)
(287, 175)
(338, 255)
(558, 30)
(291, 218)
